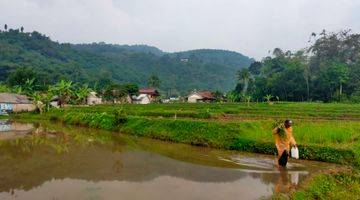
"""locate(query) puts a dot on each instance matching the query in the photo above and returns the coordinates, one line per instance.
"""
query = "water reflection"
(53, 161)
(12, 130)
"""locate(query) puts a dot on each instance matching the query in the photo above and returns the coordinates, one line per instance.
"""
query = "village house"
(93, 99)
(10, 102)
(204, 96)
(184, 60)
(146, 96)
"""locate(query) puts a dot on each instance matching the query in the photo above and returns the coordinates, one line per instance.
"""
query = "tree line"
(100, 63)
(328, 71)
(25, 81)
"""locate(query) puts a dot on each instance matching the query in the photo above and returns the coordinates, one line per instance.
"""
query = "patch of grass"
(341, 185)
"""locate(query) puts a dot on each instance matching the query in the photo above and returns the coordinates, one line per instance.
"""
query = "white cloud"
(251, 27)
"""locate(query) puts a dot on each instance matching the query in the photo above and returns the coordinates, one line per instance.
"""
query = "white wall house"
(92, 99)
(146, 96)
(143, 99)
(194, 98)
(204, 96)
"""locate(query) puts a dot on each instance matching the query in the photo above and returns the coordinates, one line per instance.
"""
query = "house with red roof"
(203, 96)
(146, 96)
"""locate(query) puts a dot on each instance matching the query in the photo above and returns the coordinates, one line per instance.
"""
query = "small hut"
(10, 102)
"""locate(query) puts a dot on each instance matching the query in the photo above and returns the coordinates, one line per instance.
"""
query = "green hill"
(99, 62)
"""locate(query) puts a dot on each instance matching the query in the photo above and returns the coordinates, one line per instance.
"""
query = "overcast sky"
(251, 27)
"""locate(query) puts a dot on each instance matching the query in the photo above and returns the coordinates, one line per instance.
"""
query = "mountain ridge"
(96, 63)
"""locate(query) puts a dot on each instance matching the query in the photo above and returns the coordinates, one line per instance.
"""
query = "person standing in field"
(284, 140)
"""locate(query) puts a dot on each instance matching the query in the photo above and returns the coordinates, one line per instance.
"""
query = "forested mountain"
(101, 63)
(208, 56)
(102, 47)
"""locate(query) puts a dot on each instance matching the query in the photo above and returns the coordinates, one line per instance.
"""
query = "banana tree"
(36, 97)
(42, 100)
(64, 90)
(268, 98)
(247, 99)
(81, 94)
(29, 86)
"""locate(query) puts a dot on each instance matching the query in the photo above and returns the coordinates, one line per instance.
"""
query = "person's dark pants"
(283, 158)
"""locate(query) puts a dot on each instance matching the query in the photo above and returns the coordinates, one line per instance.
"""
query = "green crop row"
(311, 111)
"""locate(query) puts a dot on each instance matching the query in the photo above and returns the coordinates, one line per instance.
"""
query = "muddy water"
(53, 161)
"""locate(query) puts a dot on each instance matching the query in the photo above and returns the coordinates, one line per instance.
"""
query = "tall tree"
(243, 76)
(21, 75)
(5, 27)
(154, 81)
(255, 68)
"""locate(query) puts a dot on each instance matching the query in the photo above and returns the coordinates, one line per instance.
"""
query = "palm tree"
(243, 76)
(154, 81)
(64, 90)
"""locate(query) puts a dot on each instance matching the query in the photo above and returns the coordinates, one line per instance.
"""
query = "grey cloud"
(251, 27)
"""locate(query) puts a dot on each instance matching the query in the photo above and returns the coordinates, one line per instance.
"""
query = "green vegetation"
(238, 111)
(327, 139)
(35, 56)
(335, 185)
(325, 71)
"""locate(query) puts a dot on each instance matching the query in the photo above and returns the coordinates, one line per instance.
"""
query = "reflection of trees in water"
(59, 139)
(54, 151)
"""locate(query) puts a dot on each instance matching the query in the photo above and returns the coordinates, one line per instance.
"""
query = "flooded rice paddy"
(46, 160)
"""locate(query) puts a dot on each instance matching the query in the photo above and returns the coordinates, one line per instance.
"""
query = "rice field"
(325, 132)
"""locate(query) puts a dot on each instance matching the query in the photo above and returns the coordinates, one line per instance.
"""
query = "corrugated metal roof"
(14, 98)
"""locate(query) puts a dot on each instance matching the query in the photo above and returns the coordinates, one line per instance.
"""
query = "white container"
(295, 152)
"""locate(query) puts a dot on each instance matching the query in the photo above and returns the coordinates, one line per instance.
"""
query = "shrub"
(120, 116)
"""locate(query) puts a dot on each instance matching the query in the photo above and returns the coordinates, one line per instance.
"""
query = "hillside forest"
(25, 55)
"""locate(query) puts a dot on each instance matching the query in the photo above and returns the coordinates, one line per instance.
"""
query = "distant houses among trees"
(31, 64)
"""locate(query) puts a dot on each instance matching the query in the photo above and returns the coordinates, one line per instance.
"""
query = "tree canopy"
(328, 70)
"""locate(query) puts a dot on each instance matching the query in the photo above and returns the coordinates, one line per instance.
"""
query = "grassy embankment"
(324, 132)
(335, 184)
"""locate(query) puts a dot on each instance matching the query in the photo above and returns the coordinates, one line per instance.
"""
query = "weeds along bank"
(335, 184)
(334, 141)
